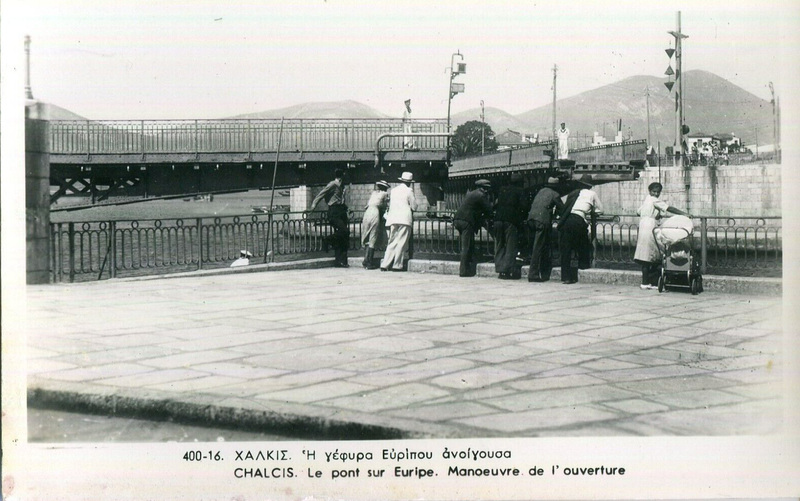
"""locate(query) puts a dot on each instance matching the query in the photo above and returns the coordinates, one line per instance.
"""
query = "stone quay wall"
(721, 191)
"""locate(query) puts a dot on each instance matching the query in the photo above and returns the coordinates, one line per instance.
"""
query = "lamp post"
(454, 88)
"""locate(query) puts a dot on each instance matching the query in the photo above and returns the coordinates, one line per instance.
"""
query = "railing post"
(196, 139)
(141, 137)
(88, 142)
(301, 137)
(271, 237)
(200, 243)
(249, 141)
(113, 236)
(71, 242)
(703, 244)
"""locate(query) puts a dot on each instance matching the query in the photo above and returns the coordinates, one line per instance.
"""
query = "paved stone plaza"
(350, 353)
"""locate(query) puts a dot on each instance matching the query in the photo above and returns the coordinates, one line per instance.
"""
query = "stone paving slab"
(351, 353)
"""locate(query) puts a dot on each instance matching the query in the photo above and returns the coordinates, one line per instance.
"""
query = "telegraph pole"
(28, 91)
(483, 128)
(555, 71)
(774, 123)
(678, 89)
(647, 93)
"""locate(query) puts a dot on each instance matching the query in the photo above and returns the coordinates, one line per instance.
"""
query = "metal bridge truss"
(161, 158)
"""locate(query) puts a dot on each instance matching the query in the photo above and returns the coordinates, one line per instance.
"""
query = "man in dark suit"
(540, 226)
(509, 214)
(468, 220)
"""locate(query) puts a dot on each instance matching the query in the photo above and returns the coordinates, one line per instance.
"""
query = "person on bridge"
(373, 229)
(408, 141)
(334, 196)
(469, 218)
(509, 214)
(648, 255)
(540, 226)
(574, 226)
(399, 218)
(563, 141)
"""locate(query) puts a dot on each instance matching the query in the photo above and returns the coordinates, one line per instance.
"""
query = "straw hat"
(407, 177)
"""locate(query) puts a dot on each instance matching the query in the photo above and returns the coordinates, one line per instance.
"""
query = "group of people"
(511, 214)
(393, 209)
(576, 215)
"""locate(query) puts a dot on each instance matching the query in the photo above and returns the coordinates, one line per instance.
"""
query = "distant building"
(511, 139)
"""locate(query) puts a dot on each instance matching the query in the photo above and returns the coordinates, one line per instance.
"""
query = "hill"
(711, 105)
(333, 109)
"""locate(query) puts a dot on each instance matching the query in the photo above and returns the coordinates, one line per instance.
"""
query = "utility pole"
(647, 93)
(778, 122)
(774, 123)
(483, 128)
(678, 90)
(28, 91)
(555, 71)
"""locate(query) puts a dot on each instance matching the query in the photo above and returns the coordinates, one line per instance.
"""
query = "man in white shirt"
(563, 141)
(399, 217)
(574, 229)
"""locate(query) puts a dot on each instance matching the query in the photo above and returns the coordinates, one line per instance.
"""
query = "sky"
(142, 59)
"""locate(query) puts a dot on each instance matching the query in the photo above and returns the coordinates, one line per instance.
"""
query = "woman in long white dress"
(647, 253)
(373, 229)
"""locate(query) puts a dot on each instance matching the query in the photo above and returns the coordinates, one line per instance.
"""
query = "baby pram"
(679, 268)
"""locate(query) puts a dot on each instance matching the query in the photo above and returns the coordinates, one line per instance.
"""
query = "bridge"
(153, 158)
(162, 158)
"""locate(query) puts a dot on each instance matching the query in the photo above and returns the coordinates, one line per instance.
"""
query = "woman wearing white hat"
(373, 229)
(399, 218)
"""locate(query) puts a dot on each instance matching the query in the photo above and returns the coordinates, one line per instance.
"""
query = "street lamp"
(454, 88)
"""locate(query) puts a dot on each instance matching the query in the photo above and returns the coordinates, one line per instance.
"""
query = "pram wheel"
(695, 286)
(661, 283)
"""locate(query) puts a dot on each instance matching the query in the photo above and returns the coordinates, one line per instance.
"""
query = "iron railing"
(106, 249)
(92, 137)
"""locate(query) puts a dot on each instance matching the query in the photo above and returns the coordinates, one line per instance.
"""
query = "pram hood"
(673, 229)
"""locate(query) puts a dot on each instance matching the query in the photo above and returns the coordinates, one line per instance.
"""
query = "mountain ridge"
(712, 105)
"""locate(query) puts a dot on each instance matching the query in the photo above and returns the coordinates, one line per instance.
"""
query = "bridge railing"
(85, 137)
(104, 249)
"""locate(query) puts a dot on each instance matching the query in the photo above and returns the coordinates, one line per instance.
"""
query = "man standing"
(334, 194)
(563, 141)
(510, 210)
(581, 205)
(468, 220)
(399, 217)
(540, 226)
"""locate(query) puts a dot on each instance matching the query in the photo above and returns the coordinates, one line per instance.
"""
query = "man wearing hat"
(334, 194)
(540, 226)
(509, 213)
(573, 226)
(470, 216)
(373, 229)
(399, 218)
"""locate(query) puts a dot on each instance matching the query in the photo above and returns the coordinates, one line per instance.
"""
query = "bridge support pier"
(37, 195)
